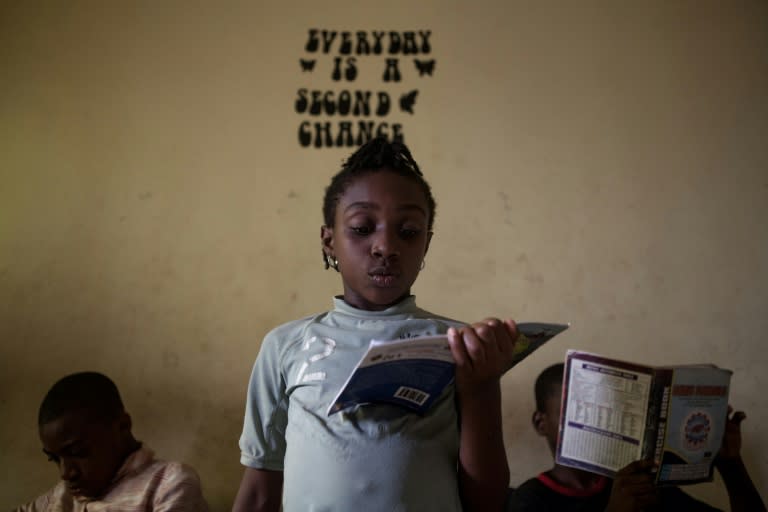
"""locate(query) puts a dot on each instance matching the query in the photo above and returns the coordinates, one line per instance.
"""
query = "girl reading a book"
(378, 217)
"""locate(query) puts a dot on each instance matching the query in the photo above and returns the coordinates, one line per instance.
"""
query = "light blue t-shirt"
(375, 457)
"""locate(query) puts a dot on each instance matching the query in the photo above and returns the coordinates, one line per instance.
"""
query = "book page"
(604, 413)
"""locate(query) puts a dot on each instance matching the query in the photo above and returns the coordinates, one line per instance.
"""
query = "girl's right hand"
(483, 352)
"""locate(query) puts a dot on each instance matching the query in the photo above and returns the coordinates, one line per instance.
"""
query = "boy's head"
(378, 214)
(548, 391)
(85, 431)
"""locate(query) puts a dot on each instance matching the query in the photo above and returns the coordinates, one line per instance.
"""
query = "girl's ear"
(429, 239)
(539, 425)
(326, 240)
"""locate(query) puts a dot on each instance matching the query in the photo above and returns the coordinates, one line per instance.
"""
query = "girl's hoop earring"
(330, 262)
(423, 264)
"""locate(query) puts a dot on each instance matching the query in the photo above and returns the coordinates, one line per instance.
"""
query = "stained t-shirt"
(374, 457)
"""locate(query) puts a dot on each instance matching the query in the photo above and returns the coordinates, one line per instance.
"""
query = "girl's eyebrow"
(367, 205)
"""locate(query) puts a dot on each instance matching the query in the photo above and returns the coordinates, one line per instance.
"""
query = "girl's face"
(380, 237)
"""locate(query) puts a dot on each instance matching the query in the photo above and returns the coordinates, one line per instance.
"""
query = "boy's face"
(380, 237)
(88, 452)
(547, 422)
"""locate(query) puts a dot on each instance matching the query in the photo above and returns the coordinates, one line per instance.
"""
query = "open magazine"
(615, 412)
(413, 373)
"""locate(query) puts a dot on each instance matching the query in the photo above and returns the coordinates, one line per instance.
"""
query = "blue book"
(413, 373)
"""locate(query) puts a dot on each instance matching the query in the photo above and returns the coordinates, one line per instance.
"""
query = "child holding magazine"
(378, 219)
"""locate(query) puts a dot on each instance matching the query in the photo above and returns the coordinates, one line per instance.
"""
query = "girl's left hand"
(482, 351)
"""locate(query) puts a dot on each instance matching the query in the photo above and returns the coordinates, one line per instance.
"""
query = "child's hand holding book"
(482, 351)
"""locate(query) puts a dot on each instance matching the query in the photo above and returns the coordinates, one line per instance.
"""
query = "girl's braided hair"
(376, 155)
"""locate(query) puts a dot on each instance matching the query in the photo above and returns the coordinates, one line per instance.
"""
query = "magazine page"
(604, 413)
(696, 417)
(413, 373)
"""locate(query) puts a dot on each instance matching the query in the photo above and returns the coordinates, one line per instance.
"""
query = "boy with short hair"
(569, 489)
(86, 431)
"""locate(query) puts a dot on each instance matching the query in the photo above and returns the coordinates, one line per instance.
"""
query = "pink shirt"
(142, 483)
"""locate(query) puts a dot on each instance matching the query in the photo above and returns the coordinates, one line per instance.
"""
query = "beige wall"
(597, 163)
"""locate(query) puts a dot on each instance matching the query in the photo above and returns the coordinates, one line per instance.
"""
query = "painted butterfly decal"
(425, 66)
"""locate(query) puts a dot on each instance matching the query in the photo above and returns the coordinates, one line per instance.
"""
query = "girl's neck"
(363, 305)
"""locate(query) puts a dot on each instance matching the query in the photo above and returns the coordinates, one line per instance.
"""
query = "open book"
(615, 412)
(413, 373)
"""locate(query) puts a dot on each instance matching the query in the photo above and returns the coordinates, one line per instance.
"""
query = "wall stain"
(508, 207)
(170, 359)
(534, 277)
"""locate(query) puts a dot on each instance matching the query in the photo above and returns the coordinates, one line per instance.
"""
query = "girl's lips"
(383, 280)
